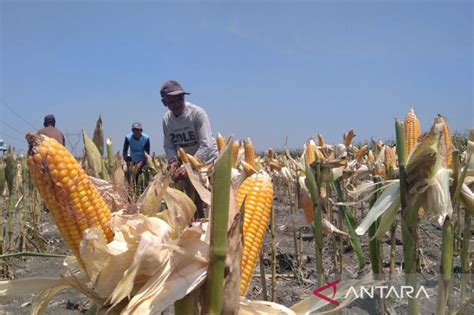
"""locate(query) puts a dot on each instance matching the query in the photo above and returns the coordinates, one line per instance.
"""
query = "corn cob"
(98, 137)
(360, 154)
(275, 164)
(258, 193)
(248, 169)
(348, 137)
(183, 156)
(446, 143)
(196, 164)
(304, 200)
(249, 152)
(321, 141)
(412, 130)
(389, 160)
(235, 153)
(68, 192)
(220, 142)
(310, 154)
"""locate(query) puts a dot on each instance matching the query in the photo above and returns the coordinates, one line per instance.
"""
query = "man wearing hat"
(50, 130)
(185, 126)
(139, 143)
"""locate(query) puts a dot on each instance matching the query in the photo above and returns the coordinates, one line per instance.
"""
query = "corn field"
(286, 231)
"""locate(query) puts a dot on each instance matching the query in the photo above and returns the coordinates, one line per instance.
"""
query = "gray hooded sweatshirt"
(191, 131)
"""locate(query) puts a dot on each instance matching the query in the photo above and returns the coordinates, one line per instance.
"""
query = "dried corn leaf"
(114, 196)
(180, 211)
(438, 198)
(233, 262)
(98, 137)
(149, 202)
(181, 274)
(249, 307)
(41, 301)
(13, 289)
(96, 165)
(467, 198)
(389, 199)
(150, 258)
(203, 192)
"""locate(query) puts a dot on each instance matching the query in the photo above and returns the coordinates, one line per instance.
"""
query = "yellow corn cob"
(258, 193)
(348, 137)
(360, 154)
(446, 143)
(304, 201)
(310, 154)
(220, 142)
(183, 156)
(412, 130)
(248, 169)
(274, 164)
(68, 192)
(235, 153)
(249, 152)
(195, 162)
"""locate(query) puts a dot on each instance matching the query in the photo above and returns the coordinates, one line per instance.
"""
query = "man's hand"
(180, 173)
(172, 166)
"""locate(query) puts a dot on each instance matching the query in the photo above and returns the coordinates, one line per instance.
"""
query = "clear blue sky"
(265, 70)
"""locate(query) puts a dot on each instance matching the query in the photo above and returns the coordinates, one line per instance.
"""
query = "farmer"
(139, 143)
(185, 126)
(50, 130)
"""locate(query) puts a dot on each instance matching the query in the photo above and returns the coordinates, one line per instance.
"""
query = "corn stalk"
(409, 221)
(350, 224)
(458, 182)
(262, 275)
(375, 246)
(317, 230)
(219, 222)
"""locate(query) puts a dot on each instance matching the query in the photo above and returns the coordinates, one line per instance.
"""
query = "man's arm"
(125, 149)
(147, 146)
(168, 145)
(207, 150)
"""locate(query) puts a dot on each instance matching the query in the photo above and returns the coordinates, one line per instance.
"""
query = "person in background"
(50, 129)
(186, 126)
(138, 142)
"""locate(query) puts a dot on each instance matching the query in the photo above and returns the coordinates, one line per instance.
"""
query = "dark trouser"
(193, 194)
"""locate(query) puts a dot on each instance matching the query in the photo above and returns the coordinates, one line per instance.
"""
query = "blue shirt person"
(138, 142)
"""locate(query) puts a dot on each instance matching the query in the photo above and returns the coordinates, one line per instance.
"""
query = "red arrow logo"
(327, 298)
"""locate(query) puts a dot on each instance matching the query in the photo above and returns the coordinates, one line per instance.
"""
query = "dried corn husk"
(98, 137)
(96, 166)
